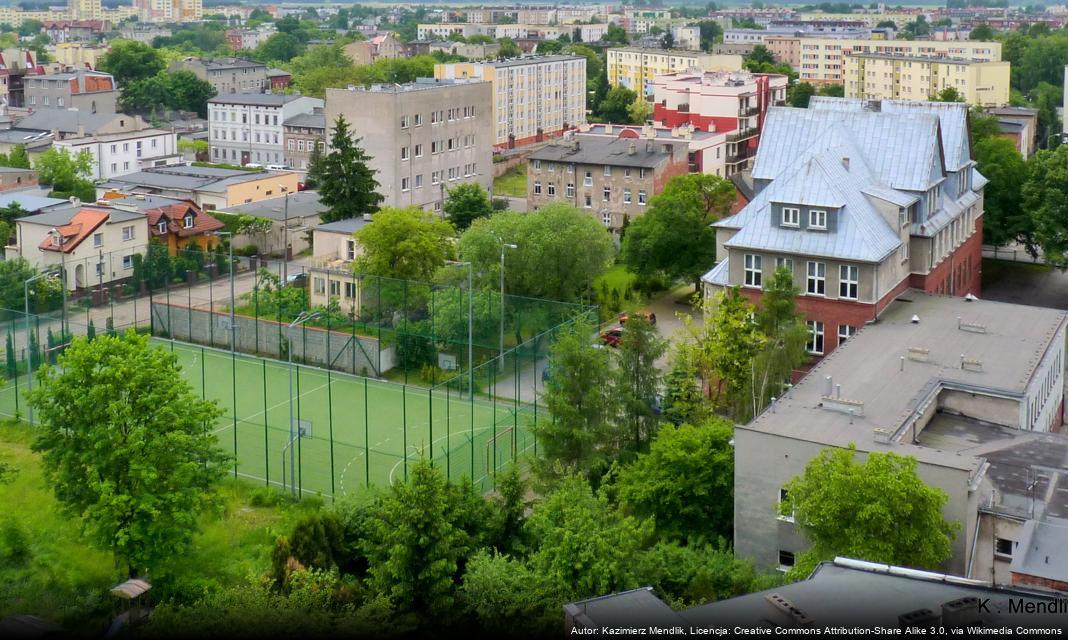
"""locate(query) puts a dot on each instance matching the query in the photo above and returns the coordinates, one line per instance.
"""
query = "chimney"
(649, 147)
(845, 163)
(81, 131)
(632, 149)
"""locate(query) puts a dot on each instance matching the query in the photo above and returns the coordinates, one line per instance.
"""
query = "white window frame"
(587, 181)
(845, 332)
(187, 221)
(786, 567)
(752, 267)
(848, 282)
(537, 187)
(817, 338)
(783, 494)
(791, 217)
(784, 262)
(817, 219)
(816, 278)
(129, 232)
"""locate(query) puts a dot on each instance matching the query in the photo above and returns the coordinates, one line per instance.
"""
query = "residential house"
(118, 154)
(331, 275)
(38, 130)
(292, 216)
(80, 89)
(75, 55)
(60, 31)
(227, 75)
(15, 65)
(170, 11)
(532, 98)
(278, 80)
(175, 223)
(384, 45)
(423, 137)
(612, 178)
(249, 128)
(15, 178)
(859, 201)
(209, 187)
(144, 33)
(94, 245)
(1020, 125)
(303, 133)
(732, 103)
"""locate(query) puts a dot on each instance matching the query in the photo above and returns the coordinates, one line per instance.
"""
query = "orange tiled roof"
(174, 214)
(82, 224)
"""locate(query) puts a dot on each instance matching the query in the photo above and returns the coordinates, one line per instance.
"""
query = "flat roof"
(348, 226)
(256, 99)
(911, 58)
(1041, 551)
(29, 202)
(302, 204)
(601, 149)
(869, 369)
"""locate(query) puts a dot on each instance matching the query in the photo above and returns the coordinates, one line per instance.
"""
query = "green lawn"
(512, 183)
(64, 579)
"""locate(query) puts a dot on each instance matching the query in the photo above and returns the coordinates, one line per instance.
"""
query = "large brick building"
(860, 200)
(734, 103)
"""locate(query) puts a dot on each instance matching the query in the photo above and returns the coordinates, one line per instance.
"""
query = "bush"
(266, 497)
(14, 545)
(247, 251)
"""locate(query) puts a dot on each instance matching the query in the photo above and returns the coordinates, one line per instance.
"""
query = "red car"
(612, 336)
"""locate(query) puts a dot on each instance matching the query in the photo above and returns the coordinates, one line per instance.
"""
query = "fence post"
(404, 432)
(300, 460)
(266, 439)
(330, 420)
(366, 440)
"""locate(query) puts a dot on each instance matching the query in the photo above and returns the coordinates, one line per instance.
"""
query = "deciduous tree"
(466, 203)
(410, 244)
(1045, 196)
(130, 61)
(134, 460)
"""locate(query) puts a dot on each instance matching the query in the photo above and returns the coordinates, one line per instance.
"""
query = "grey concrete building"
(425, 137)
(973, 390)
(81, 89)
(227, 75)
(248, 128)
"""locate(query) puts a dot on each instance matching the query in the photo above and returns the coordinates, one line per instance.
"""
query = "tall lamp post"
(233, 299)
(504, 245)
(57, 239)
(285, 236)
(29, 351)
(470, 325)
(304, 316)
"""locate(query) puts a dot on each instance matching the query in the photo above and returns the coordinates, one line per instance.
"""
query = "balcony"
(747, 112)
(743, 154)
(741, 134)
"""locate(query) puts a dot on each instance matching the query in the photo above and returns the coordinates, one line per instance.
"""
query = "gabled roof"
(901, 149)
(174, 215)
(822, 180)
(80, 227)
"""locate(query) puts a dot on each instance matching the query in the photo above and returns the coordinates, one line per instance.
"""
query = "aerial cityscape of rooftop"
(533, 319)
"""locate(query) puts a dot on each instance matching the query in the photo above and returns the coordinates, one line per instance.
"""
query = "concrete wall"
(316, 347)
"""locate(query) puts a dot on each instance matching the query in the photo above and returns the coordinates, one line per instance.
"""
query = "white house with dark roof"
(248, 128)
(859, 200)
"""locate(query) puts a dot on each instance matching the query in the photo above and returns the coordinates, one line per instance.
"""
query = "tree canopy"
(130, 61)
(411, 244)
(134, 460)
(466, 203)
(345, 182)
(845, 507)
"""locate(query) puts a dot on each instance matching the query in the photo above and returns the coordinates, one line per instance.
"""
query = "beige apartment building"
(610, 177)
(822, 60)
(874, 76)
(635, 67)
(424, 137)
(532, 98)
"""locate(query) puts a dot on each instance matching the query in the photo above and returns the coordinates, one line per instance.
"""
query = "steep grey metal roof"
(861, 233)
(720, 274)
(901, 149)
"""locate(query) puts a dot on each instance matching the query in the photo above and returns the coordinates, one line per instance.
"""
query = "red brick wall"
(832, 312)
(519, 142)
(1022, 579)
(960, 273)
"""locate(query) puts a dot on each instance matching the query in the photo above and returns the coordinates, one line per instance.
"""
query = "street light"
(233, 299)
(57, 238)
(29, 351)
(470, 323)
(285, 236)
(504, 245)
(304, 316)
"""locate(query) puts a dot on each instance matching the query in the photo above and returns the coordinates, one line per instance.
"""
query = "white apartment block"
(635, 67)
(533, 98)
(246, 128)
(170, 10)
(128, 152)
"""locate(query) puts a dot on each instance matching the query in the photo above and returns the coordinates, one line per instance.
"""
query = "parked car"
(648, 315)
(297, 279)
(611, 337)
(277, 167)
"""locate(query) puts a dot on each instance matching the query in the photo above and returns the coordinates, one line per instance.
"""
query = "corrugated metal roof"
(719, 275)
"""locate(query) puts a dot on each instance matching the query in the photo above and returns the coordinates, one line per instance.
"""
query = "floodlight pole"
(29, 351)
(304, 316)
(233, 299)
(285, 237)
(504, 245)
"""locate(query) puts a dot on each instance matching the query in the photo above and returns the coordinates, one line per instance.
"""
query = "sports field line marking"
(436, 440)
(260, 413)
(341, 480)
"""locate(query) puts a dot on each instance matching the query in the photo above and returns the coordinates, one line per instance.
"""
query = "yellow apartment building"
(533, 98)
(822, 60)
(874, 77)
(635, 67)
